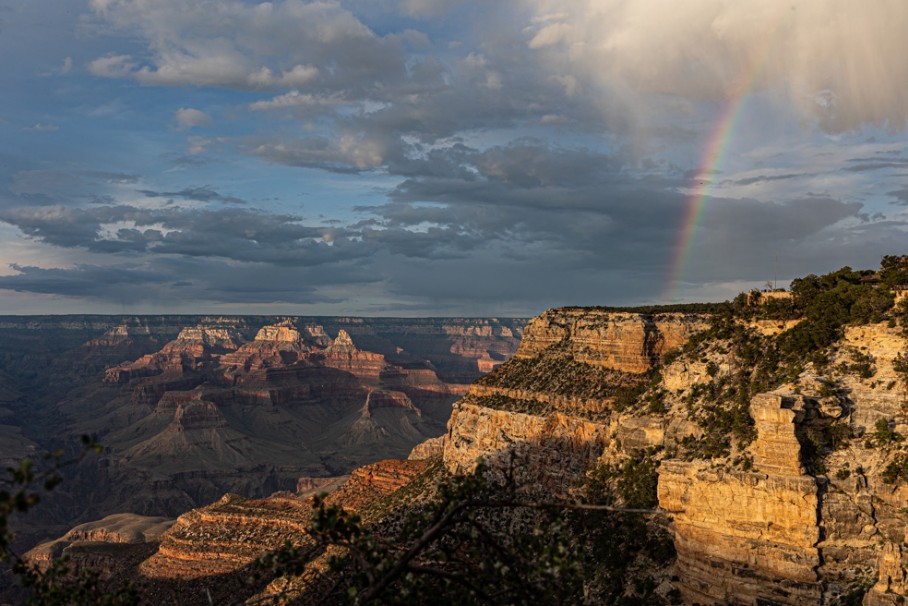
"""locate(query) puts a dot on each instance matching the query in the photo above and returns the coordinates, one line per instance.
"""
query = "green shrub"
(840, 435)
(883, 434)
(633, 481)
(894, 270)
(897, 469)
(900, 365)
(638, 481)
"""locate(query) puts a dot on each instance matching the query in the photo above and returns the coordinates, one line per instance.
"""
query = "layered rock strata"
(771, 527)
(542, 454)
(232, 533)
(748, 537)
(288, 413)
(548, 414)
(626, 342)
(806, 513)
(113, 546)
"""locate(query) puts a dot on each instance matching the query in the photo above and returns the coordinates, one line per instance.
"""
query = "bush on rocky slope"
(58, 583)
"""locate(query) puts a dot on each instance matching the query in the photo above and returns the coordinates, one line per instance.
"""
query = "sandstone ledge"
(545, 454)
(742, 537)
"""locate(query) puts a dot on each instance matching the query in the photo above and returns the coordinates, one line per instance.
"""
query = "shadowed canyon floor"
(189, 408)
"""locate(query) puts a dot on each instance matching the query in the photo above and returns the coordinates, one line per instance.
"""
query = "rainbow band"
(712, 161)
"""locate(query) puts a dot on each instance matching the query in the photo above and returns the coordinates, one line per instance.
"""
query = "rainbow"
(711, 163)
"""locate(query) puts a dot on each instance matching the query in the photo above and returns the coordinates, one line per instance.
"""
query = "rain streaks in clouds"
(427, 157)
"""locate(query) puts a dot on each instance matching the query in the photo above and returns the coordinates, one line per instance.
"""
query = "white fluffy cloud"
(837, 62)
(112, 66)
(840, 62)
(270, 45)
(189, 117)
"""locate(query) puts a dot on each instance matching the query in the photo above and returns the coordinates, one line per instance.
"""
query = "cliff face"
(748, 537)
(626, 342)
(543, 454)
(122, 529)
(803, 512)
(549, 413)
(812, 516)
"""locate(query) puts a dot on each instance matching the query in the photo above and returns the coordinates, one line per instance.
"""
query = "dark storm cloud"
(94, 282)
(862, 164)
(900, 195)
(199, 280)
(240, 234)
(739, 238)
(511, 227)
(552, 208)
(504, 286)
(432, 243)
(213, 279)
(619, 273)
(766, 178)
(198, 194)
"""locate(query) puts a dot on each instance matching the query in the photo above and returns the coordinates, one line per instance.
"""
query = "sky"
(442, 157)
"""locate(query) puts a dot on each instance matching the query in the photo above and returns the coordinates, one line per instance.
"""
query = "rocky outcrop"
(769, 527)
(369, 483)
(548, 414)
(626, 342)
(460, 350)
(342, 354)
(287, 413)
(112, 547)
(214, 337)
(742, 537)
(792, 529)
(545, 454)
(232, 533)
(282, 332)
(748, 537)
(775, 534)
(882, 395)
(892, 586)
(430, 449)
(275, 345)
(777, 449)
(193, 349)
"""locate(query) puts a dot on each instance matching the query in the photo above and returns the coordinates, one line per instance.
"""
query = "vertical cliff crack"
(652, 340)
(822, 489)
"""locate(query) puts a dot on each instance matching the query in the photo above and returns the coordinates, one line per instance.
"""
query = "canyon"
(188, 408)
(775, 468)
